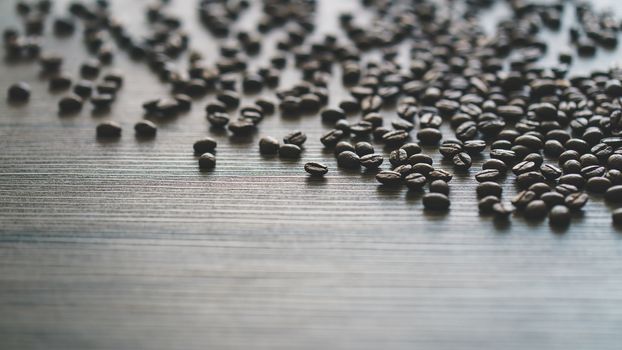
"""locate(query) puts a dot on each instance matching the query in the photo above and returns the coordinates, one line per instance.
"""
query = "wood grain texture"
(127, 245)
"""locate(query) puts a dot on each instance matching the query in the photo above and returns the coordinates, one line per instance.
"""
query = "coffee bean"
(502, 210)
(552, 198)
(489, 188)
(145, 128)
(535, 210)
(572, 179)
(539, 188)
(473, 147)
(485, 204)
(536, 158)
(420, 158)
(332, 137)
(523, 198)
(371, 161)
(614, 194)
(593, 171)
(436, 202)
(450, 149)
(218, 119)
(289, 151)
(316, 169)
(550, 172)
(598, 184)
(616, 217)
(395, 138)
(462, 161)
(343, 146)
(296, 137)
(398, 157)
(429, 136)
(488, 175)
(523, 167)
(108, 130)
(614, 161)
(348, 160)
(615, 176)
(242, 127)
(333, 114)
(439, 186)
(70, 104)
(576, 200)
(411, 148)
(495, 164)
(403, 169)
(59, 82)
(363, 148)
(18, 92)
(566, 189)
(415, 181)
(401, 124)
(205, 145)
(438, 174)
(207, 161)
(389, 178)
(559, 216)
(506, 156)
(268, 145)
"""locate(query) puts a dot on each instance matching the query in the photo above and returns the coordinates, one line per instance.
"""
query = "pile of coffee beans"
(557, 137)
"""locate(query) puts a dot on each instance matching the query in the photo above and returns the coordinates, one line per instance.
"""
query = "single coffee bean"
(566, 189)
(616, 217)
(439, 174)
(473, 147)
(70, 104)
(462, 161)
(489, 188)
(207, 161)
(398, 157)
(371, 161)
(502, 210)
(572, 179)
(536, 158)
(615, 176)
(395, 138)
(429, 136)
(108, 130)
(598, 184)
(614, 194)
(485, 204)
(523, 167)
(333, 114)
(506, 156)
(403, 169)
(535, 210)
(205, 145)
(343, 146)
(539, 188)
(559, 216)
(439, 186)
(420, 158)
(495, 164)
(268, 145)
(289, 151)
(550, 172)
(571, 167)
(576, 200)
(552, 198)
(411, 148)
(523, 198)
(415, 181)
(18, 92)
(363, 148)
(450, 149)
(59, 82)
(348, 160)
(488, 175)
(389, 178)
(218, 119)
(242, 127)
(593, 171)
(145, 128)
(436, 202)
(316, 169)
(331, 138)
(615, 161)
(296, 137)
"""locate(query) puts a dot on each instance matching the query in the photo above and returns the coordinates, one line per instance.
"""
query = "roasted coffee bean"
(523, 198)
(588, 160)
(395, 138)
(422, 168)
(614, 161)
(267, 106)
(495, 164)
(450, 149)
(553, 148)
(242, 127)
(568, 155)
(403, 169)
(539, 188)
(70, 103)
(598, 184)
(348, 160)
(559, 216)
(401, 124)
(420, 158)
(108, 130)
(398, 157)
(615, 176)
(332, 137)
(289, 151)
(59, 82)
(602, 151)
(205, 145)
(415, 181)
(506, 156)
(485, 204)
(535, 210)
(316, 169)
(550, 172)
(576, 200)
(101, 101)
(363, 148)
(571, 167)
(530, 141)
(474, 147)
(436, 202)
(350, 106)
(389, 178)
(371, 161)
(374, 119)
(268, 145)
(616, 217)
(502, 210)
(411, 148)
(207, 161)
(614, 194)
(343, 146)
(534, 157)
(566, 189)
(215, 107)
(297, 138)
(333, 114)
(572, 179)
(19, 92)
(231, 99)
(523, 167)
(218, 119)
(552, 198)
(439, 186)
(439, 174)
(489, 188)
(488, 175)
(462, 161)
(145, 128)
(429, 136)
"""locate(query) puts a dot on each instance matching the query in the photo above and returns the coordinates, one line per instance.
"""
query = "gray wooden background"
(126, 245)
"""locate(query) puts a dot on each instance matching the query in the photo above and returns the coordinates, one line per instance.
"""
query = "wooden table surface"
(127, 245)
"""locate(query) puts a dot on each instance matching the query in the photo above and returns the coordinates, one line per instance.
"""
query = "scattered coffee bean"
(204, 145)
(439, 186)
(436, 202)
(489, 188)
(535, 210)
(108, 130)
(19, 92)
(371, 161)
(389, 178)
(348, 160)
(207, 161)
(268, 145)
(616, 217)
(296, 137)
(559, 216)
(316, 169)
(289, 151)
(145, 128)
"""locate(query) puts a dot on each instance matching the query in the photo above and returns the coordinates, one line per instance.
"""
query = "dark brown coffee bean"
(411, 148)
(488, 175)
(398, 157)
(242, 127)
(439, 174)
(420, 158)
(495, 164)
(371, 161)
(268, 145)
(415, 181)
(598, 184)
(296, 137)
(572, 179)
(348, 160)
(559, 216)
(474, 147)
(576, 200)
(60, 82)
(436, 202)
(593, 171)
(439, 186)
(333, 114)
(523, 167)
(403, 169)
(218, 119)
(332, 137)
(485, 204)
(70, 103)
(207, 161)
(535, 210)
(614, 194)
(566, 189)
(615, 176)
(429, 136)
(145, 128)
(523, 198)
(289, 151)
(389, 178)
(552, 198)
(489, 188)
(316, 169)
(363, 148)
(462, 161)
(395, 138)
(205, 145)
(108, 130)
(616, 217)
(343, 146)
(614, 161)
(450, 149)
(550, 172)
(539, 188)
(502, 210)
